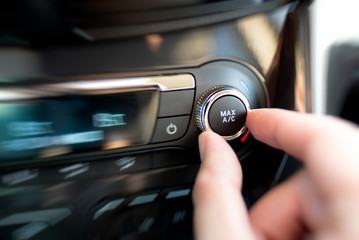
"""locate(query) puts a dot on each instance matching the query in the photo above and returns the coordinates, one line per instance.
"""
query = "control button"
(179, 212)
(142, 216)
(176, 103)
(139, 200)
(171, 129)
(178, 193)
(227, 115)
(138, 221)
(108, 207)
(223, 110)
(168, 129)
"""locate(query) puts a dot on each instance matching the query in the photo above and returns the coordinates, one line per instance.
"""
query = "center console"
(64, 120)
(99, 122)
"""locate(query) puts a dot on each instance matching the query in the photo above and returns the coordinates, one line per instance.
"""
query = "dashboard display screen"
(47, 127)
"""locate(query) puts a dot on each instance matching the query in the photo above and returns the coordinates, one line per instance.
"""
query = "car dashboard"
(101, 105)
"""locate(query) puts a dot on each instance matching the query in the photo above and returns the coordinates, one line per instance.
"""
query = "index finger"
(327, 146)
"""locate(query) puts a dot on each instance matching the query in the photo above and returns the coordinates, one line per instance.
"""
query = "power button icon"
(171, 129)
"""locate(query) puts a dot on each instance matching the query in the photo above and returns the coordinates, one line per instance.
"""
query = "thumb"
(219, 209)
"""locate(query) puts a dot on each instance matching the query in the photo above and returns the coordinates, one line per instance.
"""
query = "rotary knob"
(223, 110)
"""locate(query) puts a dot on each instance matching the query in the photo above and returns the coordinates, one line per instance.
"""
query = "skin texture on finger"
(219, 209)
(322, 199)
(327, 146)
(329, 149)
(290, 211)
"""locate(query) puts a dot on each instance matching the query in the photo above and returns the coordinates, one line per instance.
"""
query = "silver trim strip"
(163, 83)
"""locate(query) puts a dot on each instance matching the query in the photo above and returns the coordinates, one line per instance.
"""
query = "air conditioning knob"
(223, 110)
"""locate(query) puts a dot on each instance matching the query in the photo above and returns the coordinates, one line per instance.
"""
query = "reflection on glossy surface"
(193, 45)
(143, 199)
(108, 207)
(301, 87)
(260, 38)
(115, 143)
(178, 193)
(16, 94)
(17, 177)
(300, 91)
(190, 47)
(82, 186)
(154, 42)
(51, 216)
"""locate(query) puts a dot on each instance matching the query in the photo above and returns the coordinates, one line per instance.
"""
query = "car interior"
(102, 103)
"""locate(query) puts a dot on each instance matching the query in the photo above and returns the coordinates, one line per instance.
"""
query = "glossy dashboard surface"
(144, 192)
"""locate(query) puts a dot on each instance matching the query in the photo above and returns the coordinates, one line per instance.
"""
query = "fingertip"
(202, 143)
(218, 205)
(255, 115)
(276, 127)
(218, 159)
(284, 206)
(208, 138)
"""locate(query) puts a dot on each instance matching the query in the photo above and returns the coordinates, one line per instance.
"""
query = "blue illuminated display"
(33, 128)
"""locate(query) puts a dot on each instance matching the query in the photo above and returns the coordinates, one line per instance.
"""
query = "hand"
(321, 201)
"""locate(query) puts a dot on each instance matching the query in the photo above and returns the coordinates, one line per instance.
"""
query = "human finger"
(289, 211)
(219, 209)
(327, 146)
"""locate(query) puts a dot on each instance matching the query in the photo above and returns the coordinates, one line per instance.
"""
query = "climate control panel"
(73, 117)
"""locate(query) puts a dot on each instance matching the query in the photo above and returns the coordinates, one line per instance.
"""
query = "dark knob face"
(227, 115)
(224, 111)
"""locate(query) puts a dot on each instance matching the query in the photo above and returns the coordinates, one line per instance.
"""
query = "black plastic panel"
(224, 50)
